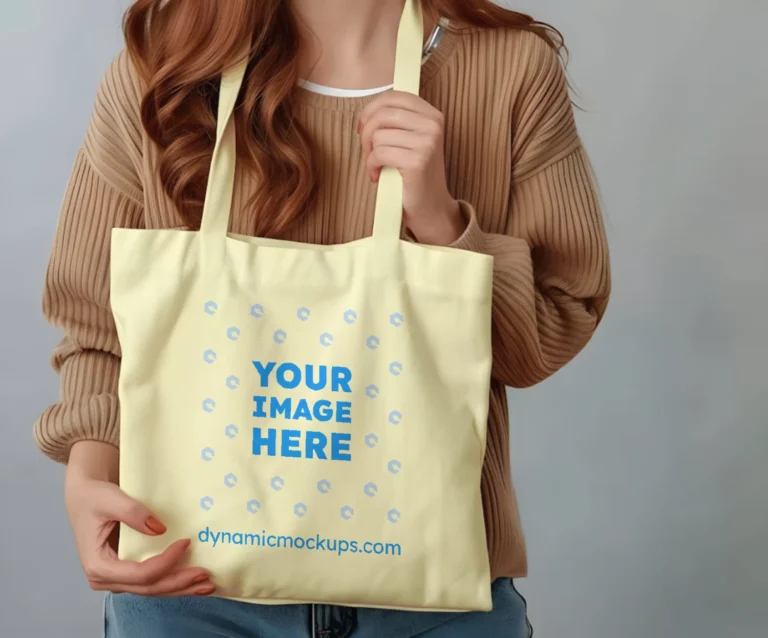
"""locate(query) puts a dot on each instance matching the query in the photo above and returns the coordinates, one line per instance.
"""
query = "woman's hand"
(405, 132)
(96, 505)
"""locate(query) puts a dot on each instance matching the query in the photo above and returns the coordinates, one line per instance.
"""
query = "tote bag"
(312, 417)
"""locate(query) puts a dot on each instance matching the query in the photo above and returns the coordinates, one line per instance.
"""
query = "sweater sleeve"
(104, 192)
(551, 268)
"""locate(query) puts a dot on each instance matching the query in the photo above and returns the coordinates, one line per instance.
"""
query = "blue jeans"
(128, 616)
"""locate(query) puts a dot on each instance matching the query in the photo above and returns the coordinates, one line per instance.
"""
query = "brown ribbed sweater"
(513, 158)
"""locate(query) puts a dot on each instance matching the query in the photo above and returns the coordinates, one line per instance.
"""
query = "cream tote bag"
(312, 417)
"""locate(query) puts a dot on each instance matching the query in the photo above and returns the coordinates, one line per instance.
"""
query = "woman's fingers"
(397, 119)
(400, 158)
(96, 508)
(115, 505)
(399, 139)
(204, 589)
(186, 582)
(385, 119)
(402, 131)
(397, 100)
(107, 569)
(156, 576)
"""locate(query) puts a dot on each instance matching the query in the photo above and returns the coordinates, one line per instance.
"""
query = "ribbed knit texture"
(514, 160)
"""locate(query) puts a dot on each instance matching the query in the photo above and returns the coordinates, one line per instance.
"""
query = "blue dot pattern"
(324, 486)
(394, 467)
(372, 391)
(371, 489)
(210, 308)
(300, 510)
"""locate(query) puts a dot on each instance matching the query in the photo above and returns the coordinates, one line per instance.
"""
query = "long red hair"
(179, 48)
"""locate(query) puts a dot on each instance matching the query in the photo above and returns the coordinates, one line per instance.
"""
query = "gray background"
(640, 466)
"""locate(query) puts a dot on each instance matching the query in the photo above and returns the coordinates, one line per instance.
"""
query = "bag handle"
(221, 179)
(388, 218)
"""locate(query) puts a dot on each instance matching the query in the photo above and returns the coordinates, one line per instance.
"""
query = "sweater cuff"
(89, 408)
(473, 238)
(62, 425)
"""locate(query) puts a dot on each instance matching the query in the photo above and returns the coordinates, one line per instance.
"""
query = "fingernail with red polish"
(205, 591)
(201, 579)
(156, 526)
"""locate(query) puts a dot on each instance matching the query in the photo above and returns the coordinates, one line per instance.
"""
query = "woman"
(491, 162)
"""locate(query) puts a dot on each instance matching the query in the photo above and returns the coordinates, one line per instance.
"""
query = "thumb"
(116, 505)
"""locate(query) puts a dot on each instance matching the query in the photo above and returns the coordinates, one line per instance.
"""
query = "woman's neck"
(348, 44)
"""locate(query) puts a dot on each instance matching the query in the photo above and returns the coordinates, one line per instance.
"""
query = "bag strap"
(388, 219)
(221, 179)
